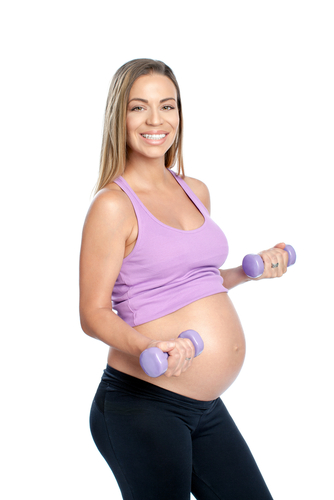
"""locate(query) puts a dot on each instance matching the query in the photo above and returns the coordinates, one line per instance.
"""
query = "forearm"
(103, 324)
(233, 277)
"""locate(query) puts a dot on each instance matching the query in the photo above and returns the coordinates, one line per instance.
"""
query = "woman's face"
(152, 116)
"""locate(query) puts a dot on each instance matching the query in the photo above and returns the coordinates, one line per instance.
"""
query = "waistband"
(141, 388)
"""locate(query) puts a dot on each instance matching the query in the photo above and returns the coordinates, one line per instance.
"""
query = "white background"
(257, 85)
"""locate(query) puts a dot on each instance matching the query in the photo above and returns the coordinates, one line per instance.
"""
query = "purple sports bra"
(168, 268)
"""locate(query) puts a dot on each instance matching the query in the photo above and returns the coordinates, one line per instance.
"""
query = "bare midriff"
(211, 373)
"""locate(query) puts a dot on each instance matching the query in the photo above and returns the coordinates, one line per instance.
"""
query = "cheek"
(176, 122)
(131, 127)
(133, 121)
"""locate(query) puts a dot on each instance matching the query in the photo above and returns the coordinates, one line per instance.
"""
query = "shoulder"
(111, 208)
(200, 189)
(111, 201)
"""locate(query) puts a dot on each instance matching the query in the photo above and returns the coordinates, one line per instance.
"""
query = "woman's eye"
(164, 108)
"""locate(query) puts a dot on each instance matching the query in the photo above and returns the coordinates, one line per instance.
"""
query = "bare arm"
(106, 230)
(233, 277)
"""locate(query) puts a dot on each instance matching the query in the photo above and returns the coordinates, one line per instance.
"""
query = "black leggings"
(162, 446)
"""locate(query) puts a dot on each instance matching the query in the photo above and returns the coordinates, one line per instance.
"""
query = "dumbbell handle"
(253, 266)
(154, 361)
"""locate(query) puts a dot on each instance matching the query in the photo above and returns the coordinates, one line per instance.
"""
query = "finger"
(180, 357)
(188, 354)
(189, 348)
(175, 364)
(270, 265)
(277, 265)
(280, 265)
(267, 261)
(282, 258)
(166, 346)
(280, 245)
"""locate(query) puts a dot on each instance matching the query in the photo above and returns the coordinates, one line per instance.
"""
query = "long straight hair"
(113, 150)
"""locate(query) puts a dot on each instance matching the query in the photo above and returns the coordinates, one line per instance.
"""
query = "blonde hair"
(113, 150)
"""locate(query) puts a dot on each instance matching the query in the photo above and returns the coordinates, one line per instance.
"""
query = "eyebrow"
(144, 100)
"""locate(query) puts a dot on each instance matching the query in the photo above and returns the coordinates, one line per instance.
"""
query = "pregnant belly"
(211, 373)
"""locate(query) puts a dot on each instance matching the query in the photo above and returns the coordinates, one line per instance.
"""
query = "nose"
(154, 118)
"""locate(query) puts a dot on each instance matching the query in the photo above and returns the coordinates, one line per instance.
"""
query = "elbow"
(84, 323)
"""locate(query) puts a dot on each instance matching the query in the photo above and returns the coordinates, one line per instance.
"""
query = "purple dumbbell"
(154, 361)
(253, 266)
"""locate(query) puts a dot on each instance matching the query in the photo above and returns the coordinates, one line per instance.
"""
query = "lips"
(154, 137)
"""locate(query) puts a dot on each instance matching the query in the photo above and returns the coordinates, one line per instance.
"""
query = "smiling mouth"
(154, 137)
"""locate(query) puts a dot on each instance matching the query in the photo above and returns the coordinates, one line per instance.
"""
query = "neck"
(146, 173)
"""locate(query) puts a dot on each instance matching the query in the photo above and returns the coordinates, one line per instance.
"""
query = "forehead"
(153, 85)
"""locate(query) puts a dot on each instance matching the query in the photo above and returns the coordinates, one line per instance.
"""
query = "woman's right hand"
(180, 352)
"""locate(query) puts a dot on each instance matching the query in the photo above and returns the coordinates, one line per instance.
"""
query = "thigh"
(223, 466)
(147, 447)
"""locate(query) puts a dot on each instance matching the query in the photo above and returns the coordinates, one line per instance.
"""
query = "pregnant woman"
(149, 270)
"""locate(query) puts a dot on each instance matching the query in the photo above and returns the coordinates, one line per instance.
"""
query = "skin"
(109, 234)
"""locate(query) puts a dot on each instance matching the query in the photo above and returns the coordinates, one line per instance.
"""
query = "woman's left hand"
(275, 262)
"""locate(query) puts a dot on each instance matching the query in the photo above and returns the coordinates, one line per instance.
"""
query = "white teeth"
(155, 137)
